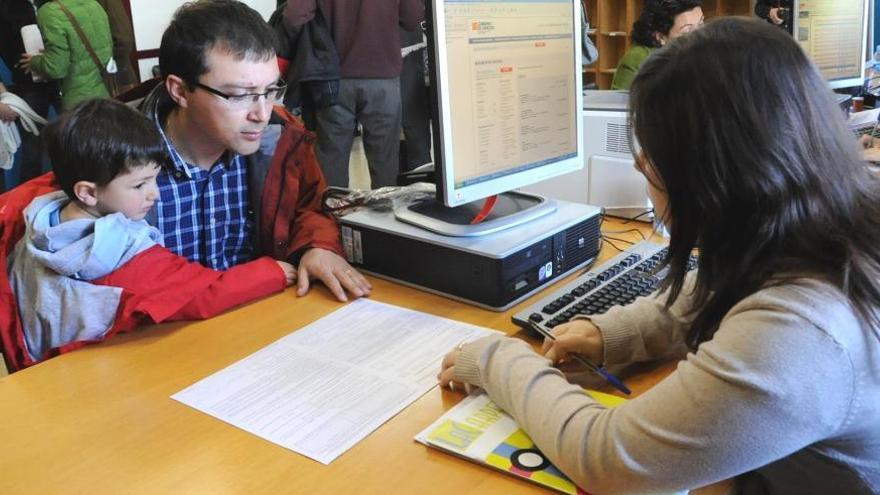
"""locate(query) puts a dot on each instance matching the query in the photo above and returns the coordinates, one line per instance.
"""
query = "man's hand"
(7, 114)
(774, 16)
(334, 271)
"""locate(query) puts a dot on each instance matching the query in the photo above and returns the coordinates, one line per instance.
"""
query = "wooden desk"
(100, 420)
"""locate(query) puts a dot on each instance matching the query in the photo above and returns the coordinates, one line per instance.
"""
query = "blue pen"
(874, 129)
(613, 380)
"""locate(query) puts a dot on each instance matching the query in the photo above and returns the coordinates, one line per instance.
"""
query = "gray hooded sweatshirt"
(51, 268)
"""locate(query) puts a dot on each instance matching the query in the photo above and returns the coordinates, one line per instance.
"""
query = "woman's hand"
(576, 337)
(447, 372)
(870, 149)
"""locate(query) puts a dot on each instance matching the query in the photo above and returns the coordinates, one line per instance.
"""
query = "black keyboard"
(617, 282)
(862, 131)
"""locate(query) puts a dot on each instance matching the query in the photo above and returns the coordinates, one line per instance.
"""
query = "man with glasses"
(239, 187)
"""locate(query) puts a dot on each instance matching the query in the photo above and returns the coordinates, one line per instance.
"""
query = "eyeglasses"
(272, 95)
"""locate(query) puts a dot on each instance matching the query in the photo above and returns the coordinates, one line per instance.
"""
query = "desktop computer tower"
(493, 271)
(608, 178)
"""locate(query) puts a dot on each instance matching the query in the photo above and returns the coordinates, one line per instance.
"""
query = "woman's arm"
(647, 329)
(744, 400)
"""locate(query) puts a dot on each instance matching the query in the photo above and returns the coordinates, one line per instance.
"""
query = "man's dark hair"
(761, 172)
(658, 16)
(197, 27)
(99, 139)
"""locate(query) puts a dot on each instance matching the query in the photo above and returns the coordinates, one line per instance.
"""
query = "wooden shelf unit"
(611, 25)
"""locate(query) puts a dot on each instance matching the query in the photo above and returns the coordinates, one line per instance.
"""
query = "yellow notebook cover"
(478, 430)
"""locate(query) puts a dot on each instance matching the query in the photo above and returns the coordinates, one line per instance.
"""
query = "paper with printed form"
(32, 40)
(320, 390)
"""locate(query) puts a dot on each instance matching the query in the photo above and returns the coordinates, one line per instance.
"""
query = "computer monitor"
(834, 33)
(609, 178)
(506, 85)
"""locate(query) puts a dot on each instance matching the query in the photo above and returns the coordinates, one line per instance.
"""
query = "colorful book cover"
(478, 430)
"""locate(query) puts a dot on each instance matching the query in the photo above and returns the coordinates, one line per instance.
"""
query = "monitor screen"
(506, 78)
(834, 33)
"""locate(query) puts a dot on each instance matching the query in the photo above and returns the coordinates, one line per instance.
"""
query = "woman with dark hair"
(659, 22)
(778, 328)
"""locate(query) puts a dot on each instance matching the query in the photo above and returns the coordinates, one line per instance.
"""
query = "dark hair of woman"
(761, 172)
(658, 16)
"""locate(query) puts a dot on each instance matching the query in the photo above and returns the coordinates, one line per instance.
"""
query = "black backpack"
(313, 74)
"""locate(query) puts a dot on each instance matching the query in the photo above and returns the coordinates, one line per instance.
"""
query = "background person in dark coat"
(367, 39)
(776, 12)
(38, 95)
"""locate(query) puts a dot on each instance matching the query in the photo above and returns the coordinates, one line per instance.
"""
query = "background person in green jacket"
(659, 22)
(65, 56)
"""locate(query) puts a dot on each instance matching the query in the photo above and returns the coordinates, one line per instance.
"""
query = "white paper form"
(322, 389)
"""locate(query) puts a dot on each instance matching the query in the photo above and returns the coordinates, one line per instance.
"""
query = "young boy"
(88, 265)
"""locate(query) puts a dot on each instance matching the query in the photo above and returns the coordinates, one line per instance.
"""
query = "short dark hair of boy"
(198, 27)
(99, 139)
(658, 16)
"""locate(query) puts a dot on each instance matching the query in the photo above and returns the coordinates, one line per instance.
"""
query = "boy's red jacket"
(157, 285)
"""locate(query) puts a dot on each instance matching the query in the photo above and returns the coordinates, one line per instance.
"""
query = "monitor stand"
(513, 208)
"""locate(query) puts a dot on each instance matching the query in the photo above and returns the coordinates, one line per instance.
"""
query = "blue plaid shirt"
(203, 215)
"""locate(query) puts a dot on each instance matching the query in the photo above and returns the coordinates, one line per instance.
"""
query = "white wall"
(150, 17)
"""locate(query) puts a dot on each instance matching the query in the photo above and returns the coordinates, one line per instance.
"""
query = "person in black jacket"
(776, 12)
(415, 103)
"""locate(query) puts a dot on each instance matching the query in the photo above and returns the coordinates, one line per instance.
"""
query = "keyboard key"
(536, 317)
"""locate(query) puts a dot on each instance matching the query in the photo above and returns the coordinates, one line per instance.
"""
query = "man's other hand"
(334, 271)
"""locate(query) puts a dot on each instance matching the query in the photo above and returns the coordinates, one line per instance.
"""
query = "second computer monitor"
(834, 33)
